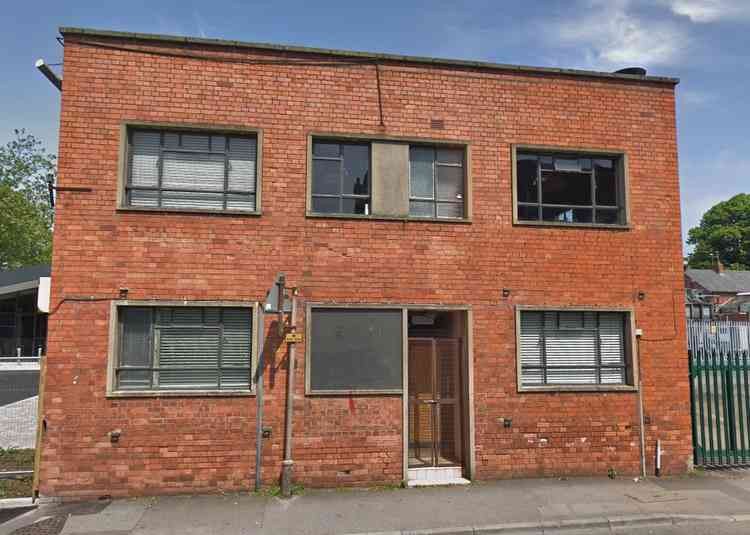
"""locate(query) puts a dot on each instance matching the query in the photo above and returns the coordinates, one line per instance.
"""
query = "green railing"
(719, 356)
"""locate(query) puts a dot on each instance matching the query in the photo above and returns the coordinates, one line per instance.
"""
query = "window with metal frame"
(569, 188)
(436, 182)
(340, 178)
(191, 170)
(23, 328)
(573, 348)
(184, 348)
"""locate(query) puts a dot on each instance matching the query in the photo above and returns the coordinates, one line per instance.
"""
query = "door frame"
(467, 386)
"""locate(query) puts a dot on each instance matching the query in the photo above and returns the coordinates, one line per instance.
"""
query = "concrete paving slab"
(315, 513)
(648, 495)
(587, 509)
(120, 516)
(204, 515)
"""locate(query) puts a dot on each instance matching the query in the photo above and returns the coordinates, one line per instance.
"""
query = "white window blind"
(572, 348)
(185, 348)
(192, 171)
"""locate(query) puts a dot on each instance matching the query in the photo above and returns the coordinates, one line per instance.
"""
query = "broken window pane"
(606, 185)
(356, 169)
(566, 188)
(526, 176)
(567, 183)
(339, 171)
(567, 164)
(567, 215)
(528, 213)
(608, 216)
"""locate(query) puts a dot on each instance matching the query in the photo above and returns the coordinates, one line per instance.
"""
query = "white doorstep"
(427, 477)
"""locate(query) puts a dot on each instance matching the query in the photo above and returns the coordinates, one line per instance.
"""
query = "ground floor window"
(574, 348)
(183, 348)
(355, 350)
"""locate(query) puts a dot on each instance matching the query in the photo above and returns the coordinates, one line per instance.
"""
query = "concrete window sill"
(550, 389)
(314, 215)
(155, 210)
(571, 225)
(179, 393)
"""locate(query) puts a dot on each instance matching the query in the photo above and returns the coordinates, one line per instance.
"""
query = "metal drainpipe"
(658, 458)
(640, 408)
(259, 402)
(288, 463)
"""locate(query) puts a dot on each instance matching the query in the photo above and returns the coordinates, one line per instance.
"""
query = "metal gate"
(719, 356)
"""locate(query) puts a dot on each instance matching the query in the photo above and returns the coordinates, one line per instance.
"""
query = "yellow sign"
(292, 338)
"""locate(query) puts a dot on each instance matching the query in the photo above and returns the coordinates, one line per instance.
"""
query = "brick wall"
(204, 444)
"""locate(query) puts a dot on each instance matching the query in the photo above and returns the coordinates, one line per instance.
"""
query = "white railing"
(20, 358)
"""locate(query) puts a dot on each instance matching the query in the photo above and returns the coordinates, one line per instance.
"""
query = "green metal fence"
(719, 353)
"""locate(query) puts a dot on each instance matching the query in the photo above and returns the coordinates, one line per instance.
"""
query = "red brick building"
(488, 261)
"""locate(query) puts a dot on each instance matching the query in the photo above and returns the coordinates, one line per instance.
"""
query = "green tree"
(724, 232)
(25, 213)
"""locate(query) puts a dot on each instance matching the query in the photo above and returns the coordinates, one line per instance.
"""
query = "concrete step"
(441, 475)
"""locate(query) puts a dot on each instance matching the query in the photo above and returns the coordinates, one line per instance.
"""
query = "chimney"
(719, 268)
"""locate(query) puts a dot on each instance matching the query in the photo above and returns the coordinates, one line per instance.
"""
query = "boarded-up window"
(573, 348)
(355, 350)
(189, 170)
(184, 348)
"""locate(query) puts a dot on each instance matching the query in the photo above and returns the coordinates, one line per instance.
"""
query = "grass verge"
(12, 460)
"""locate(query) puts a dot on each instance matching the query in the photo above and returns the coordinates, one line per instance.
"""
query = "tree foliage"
(25, 213)
(724, 232)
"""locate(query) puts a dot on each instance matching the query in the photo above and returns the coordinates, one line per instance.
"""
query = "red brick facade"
(193, 444)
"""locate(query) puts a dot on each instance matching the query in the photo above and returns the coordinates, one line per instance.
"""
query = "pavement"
(711, 502)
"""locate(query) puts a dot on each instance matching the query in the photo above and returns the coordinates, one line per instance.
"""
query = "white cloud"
(710, 10)
(696, 98)
(612, 36)
(199, 23)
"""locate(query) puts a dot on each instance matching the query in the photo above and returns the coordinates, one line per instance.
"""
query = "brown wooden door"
(434, 402)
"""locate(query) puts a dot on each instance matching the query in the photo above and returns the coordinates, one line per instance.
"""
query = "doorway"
(436, 391)
(434, 402)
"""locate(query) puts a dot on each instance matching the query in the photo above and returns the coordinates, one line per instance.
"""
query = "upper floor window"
(340, 178)
(388, 178)
(191, 170)
(569, 188)
(436, 182)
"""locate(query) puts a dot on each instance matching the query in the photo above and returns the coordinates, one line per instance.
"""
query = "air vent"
(437, 124)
